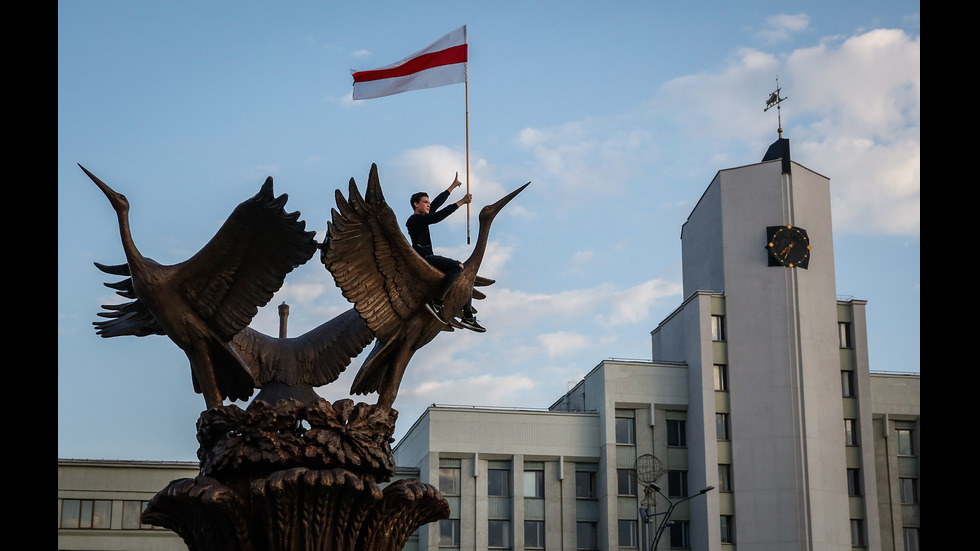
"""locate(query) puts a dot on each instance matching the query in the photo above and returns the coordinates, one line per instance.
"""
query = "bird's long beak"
(492, 209)
(115, 198)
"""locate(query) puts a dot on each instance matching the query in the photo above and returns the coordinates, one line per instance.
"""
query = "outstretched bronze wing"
(128, 318)
(315, 358)
(373, 263)
(225, 283)
(245, 263)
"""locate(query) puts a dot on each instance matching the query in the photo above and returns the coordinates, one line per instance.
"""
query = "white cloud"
(582, 259)
(779, 27)
(852, 109)
(604, 304)
(864, 102)
(482, 389)
(563, 343)
(580, 157)
(432, 168)
(633, 305)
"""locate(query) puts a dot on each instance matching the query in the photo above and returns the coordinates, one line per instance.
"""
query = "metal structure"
(665, 521)
(648, 469)
(292, 471)
(775, 100)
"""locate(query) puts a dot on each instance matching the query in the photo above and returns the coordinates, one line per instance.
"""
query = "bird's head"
(488, 212)
(118, 200)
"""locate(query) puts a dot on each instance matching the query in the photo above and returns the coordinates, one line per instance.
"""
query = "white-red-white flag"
(440, 64)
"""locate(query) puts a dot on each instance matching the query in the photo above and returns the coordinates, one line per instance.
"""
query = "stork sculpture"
(203, 302)
(388, 283)
(287, 367)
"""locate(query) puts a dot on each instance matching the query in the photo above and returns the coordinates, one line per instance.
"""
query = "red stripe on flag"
(449, 56)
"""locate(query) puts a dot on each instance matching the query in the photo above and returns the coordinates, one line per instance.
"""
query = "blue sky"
(619, 113)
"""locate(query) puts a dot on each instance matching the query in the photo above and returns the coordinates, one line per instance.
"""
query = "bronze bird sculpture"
(388, 282)
(206, 300)
(287, 367)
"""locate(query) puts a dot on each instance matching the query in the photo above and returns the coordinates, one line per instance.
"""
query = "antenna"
(774, 99)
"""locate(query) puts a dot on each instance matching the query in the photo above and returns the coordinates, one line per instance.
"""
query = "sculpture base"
(291, 477)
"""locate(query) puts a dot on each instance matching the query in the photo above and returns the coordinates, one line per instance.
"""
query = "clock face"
(788, 246)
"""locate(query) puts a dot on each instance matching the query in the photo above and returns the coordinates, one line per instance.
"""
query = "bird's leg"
(386, 397)
(203, 370)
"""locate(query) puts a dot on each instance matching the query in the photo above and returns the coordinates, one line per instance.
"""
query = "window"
(850, 432)
(533, 483)
(677, 483)
(498, 533)
(449, 532)
(857, 532)
(449, 481)
(910, 536)
(908, 489)
(724, 477)
(587, 535)
(721, 377)
(844, 334)
(676, 433)
(498, 482)
(534, 534)
(905, 442)
(847, 384)
(717, 328)
(721, 426)
(854, 482)
(727, 529)
(585, 485)
(628, 535)
(625, 431)
(626, 482)
(132, 509)
(86, 513)
(680, 533)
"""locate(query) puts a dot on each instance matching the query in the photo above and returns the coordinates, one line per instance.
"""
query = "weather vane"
(774, 99)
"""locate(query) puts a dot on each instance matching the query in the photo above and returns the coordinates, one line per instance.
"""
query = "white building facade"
(759, 387)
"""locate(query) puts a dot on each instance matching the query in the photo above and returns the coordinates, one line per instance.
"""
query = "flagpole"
(466, 84)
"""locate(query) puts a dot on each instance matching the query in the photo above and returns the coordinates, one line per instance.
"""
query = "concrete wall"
(118, 481)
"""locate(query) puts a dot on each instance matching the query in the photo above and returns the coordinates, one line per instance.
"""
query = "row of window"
(498, 480)
(499, 530)
(96, 514)
(904, 442)
(722, 432)
(498, 483)
(586, 533)
(848, 390)
(499, 534)
(843, 331)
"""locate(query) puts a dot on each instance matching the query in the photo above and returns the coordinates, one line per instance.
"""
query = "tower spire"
(774, 99)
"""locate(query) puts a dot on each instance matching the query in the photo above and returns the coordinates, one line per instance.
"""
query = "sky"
(619, 114)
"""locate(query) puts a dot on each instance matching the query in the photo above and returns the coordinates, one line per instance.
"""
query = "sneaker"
(472, 324)
(436, 310)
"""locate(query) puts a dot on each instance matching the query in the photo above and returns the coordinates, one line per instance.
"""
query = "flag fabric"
(440, 64)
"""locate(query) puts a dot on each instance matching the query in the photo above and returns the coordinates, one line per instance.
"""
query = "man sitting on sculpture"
(418, 229)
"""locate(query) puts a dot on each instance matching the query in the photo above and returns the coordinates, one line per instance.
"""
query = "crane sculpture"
(287, 367)
(203, 302)
(388, 283)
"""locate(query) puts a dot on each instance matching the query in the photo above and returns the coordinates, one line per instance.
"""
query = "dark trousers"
(451, 268)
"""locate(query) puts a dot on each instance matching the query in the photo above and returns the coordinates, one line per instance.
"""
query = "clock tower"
(760, 299)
